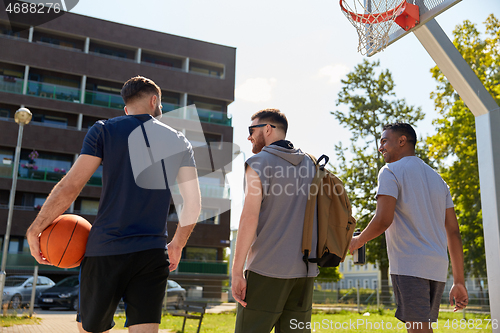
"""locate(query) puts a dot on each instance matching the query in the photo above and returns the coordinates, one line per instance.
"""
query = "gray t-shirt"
(286, 175)
(416, 239)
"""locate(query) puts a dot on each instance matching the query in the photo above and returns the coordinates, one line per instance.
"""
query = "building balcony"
(52, 175)
(113, 101)
(53, 91)
(16, 261)
(104, 99)
(11, 84)
(44, 174)
(203, 115)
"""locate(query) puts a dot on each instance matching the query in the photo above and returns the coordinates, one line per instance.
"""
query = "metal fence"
(331, 294)
(216, 289)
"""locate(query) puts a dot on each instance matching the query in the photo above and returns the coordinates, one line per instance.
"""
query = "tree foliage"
(329, 274)
(372, 103)
(456, 134)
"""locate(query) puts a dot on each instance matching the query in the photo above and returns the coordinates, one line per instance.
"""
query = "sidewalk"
(66, 323)
(54, 323)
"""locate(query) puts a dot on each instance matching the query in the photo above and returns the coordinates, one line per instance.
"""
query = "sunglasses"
(250, 128)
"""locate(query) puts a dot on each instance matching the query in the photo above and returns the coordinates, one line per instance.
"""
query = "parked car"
(64, 294)
(175, 294)
(18, 288)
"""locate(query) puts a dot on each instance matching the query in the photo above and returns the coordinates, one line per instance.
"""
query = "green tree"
(372, 103)
(456, 135)
(329, 274)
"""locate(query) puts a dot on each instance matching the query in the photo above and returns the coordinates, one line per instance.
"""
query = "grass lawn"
(343, 321)
(11, 320)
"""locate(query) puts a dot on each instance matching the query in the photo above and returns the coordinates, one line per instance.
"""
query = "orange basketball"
(63, 242)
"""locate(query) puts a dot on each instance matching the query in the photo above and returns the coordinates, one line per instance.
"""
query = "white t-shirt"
(416, 239)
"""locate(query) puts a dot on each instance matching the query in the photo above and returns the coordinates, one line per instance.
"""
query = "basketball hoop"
(373, 20)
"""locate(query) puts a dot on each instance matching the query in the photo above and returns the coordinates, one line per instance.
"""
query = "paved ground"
(64, 321)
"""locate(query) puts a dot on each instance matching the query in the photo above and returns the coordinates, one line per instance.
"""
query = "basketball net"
(373, 21)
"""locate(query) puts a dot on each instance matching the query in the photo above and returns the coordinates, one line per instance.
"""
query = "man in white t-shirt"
(415, 210)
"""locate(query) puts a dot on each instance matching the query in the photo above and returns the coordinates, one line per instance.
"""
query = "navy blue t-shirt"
(132, 216)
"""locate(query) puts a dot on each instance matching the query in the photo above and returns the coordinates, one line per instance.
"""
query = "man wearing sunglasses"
(274, 280)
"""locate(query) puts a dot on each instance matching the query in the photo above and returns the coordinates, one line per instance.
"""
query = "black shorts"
(140, 278)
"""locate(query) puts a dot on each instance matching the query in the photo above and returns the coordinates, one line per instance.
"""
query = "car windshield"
(69, 282)
(14, 281)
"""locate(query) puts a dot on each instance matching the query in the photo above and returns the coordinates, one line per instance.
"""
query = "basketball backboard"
(428, 10)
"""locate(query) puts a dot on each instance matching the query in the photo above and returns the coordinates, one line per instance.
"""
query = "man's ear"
(402, 140)
(125, 109)
(152, 101)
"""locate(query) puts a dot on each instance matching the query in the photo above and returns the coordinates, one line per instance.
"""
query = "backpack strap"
(309, 215)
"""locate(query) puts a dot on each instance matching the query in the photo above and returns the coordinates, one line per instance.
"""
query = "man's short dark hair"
(403, 129)
(273, 116)
(138, 87)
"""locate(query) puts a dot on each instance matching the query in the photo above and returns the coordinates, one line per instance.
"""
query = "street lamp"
(22, 117)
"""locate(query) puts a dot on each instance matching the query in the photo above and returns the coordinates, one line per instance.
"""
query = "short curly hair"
(403, 129)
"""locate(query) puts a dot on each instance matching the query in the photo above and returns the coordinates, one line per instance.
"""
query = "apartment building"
(69, 73)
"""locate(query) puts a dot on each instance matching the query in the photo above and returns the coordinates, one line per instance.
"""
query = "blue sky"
(291, 55)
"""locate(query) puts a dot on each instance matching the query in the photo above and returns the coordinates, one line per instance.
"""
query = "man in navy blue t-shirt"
(125, 255)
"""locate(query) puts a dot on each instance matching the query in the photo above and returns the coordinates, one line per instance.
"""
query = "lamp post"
(22, 117)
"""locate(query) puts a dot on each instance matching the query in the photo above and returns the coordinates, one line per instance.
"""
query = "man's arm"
(246, 233)
(187, 179)
(458, 292)
(59, 200)
(384, 214)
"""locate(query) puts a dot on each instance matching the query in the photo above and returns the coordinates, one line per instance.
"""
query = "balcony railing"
(199, 267)
(46, 174)
(204, 115)
(53, 91)
(167, 107)
(22, 259)
(104, 99)
(209, 116)
(11, 84)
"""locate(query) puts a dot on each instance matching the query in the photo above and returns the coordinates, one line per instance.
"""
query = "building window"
(349, 284)
(6, 160)
(206, 69)
(374, 284)
(52, 121)
(366, 283)
(4, 113)
(38, 202)
(45, 166)
(18, 245)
